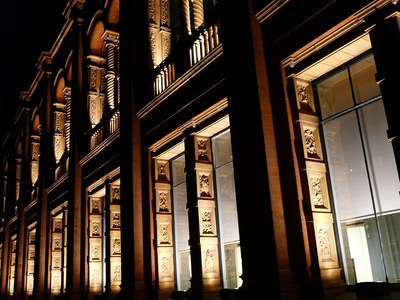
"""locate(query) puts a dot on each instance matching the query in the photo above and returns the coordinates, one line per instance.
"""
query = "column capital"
(111, 37)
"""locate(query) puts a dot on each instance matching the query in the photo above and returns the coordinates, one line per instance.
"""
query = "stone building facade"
(202, 149)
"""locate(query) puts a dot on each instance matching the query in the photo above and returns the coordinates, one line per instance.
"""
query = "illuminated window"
(362, 172)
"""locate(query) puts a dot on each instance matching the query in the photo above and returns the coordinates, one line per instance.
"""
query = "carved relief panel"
(164, 230)
(163, 198)
(96, 249)
(318, 187)
(207, 218)
(95, 229)
(166, 264)
(205, 181)
(210, 258)
(325, 238)
(162, 171)
(311, 137)
(304, 95)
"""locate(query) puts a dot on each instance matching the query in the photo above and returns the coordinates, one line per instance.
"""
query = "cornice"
(269, 10)
(342, 28)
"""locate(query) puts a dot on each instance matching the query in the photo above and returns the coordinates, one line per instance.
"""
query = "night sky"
(28, 28)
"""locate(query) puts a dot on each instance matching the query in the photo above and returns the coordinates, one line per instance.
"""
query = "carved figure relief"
(96, 206)
(206, 222)
(32, 237)
(96, 228)
(303, 94)
(165, 267)
(163, 202)
(57, 263)
(164, 237)
(204, 185)
(324, 245)
(202, 152)
(162, 171)
(209, 261)
(57, 243)
(57, 225)
(115, 195)
(95, 252)
(32, 252)
(116, 223)
(309, 140)
(316, 192)
(116, 246)
(117, 273)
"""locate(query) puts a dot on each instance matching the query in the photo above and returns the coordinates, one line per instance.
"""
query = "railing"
(205, 40)
(106, 127)
(186, 55)
(164, 76)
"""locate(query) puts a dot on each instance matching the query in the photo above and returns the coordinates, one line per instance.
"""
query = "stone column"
(67, 124)
(24, 197)
(185, 6)
(385, 40)
(76, 259)
(111, 38)
(136, 255)
(254, 161)
(203, 233)
(198, 13)
(41, 260)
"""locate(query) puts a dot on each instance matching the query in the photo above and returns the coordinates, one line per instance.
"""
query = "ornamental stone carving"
(111, 37)
(164, 13)
(206, 224)
(164, 236)
(96, 209)
(309, 140)
(202, 151)
(115, 195)
(209, 261)
(116, 223)
(204, 185)
(57, 263)
(96, 228)
(92, 78)
(165, 267)
(34, 172)
(57, 225)
(116, 246)
(302, 93)
(116, 271)
(324, 245)
(166, 44)
(316, 191)
(35, 151)
(95, 252)
(32, 252)
(163, 201)
(57, 243)
(152, 11)
(152, 38)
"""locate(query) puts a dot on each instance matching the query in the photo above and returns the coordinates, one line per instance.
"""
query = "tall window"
(362, 171)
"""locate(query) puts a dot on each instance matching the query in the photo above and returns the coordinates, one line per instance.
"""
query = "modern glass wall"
(362, 171)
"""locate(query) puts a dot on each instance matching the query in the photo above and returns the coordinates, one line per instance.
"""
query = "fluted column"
(111, 38)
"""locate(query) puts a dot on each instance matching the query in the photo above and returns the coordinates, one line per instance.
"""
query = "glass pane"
(363, 79)
(334, 94)
(385, 183)
(178, 170)
(222, 150)
(181, 237)
(360, 243)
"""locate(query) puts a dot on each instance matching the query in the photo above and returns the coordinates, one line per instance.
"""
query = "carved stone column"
(18, 161)
(185, 6)
(96, 74)
(111, 38)
(67, 124)
(58, 135)
(35, 152)
(198, 13)
(203, 231)
(385, 41)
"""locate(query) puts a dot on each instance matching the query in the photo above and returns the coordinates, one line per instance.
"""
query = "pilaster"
(261, 224)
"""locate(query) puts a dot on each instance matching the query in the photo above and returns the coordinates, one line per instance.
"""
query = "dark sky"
(28, 28)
